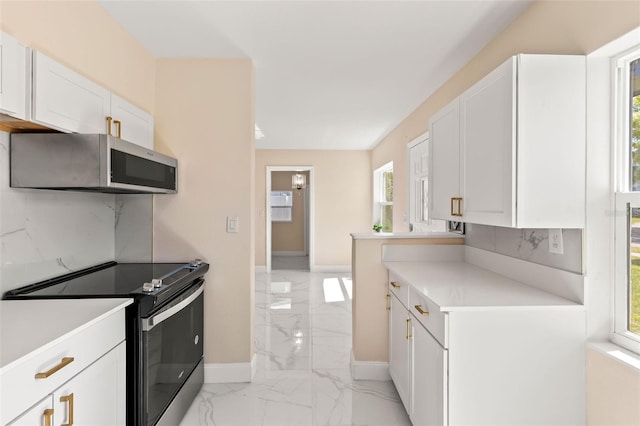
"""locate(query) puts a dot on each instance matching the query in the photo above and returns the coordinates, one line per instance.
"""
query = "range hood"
(95, 162)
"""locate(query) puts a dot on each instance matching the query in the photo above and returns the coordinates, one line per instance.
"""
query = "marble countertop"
(403, 235)
(30, 326)
(461, 286)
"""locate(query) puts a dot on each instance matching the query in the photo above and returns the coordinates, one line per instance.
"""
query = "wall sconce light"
(298, 181)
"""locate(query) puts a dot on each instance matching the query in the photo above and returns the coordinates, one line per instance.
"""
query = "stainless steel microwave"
(82, 162)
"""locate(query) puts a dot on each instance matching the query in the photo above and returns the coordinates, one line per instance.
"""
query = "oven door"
(171, 349)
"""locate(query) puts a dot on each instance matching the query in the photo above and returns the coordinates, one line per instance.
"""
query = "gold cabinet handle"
(388, 302)
(63, 363)
(409, 329)
(68, 399)
(109, 120)
(119, 124)
(394, 284)
(459, 201)
(48, 414)
(422, 312)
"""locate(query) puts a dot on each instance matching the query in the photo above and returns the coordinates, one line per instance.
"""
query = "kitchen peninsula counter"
(369, 275)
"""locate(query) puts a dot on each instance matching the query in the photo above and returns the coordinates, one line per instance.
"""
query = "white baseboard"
(261, 268)
(369, 370)
(288, 253)
(331, 268)
(241, 372)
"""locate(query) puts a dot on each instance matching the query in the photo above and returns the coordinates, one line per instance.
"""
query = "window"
(383, 197)
(627, 199)
(281, 206)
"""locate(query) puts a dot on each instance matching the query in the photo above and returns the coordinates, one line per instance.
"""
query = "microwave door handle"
(149, 323)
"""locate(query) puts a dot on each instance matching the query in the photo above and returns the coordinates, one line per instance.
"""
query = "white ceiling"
(328, 74)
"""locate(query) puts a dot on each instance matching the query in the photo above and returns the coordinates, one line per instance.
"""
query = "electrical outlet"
(556, 244)
(233, 223)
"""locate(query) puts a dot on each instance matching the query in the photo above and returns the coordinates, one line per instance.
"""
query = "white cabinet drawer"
(430, 316)
(400, 289)
(18, 384)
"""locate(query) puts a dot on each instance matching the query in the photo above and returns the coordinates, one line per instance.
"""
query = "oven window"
(171, 350)
(133, 170)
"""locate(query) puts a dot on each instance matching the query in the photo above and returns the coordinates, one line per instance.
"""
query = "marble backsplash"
(528, 244)
(48, 233)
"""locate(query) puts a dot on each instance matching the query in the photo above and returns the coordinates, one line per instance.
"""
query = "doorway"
(289, 219)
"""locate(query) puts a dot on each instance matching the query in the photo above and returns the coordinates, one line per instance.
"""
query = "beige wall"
(289, 236)
(342, 199)
(204, 117)
(572, 27)
(613, 391)
(84, 37)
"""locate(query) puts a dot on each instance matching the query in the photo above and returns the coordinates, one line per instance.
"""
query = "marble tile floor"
(303, 349)
(297, 263)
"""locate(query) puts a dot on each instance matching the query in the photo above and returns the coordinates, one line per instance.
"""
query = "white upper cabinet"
(487, 138)
(69, 102)
(521, 147)
(65, 100)
(444, 182)
(13, 77)
(135, 124)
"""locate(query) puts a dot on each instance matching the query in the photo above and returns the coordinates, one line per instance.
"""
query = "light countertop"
(403, 235)
(28, 326)
(461, 286)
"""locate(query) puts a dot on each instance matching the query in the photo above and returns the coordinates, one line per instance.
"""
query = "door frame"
(310, 215)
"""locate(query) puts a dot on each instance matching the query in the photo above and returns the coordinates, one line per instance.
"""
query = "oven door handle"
(149, 323)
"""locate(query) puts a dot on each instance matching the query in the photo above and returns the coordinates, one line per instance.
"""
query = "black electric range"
(164, 329)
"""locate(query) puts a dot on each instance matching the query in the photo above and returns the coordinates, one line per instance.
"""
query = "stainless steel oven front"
(171, 354)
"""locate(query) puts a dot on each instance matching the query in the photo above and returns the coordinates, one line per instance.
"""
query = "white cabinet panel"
(37, 415)
(96, 395)
(13, 77)
(136, 125)
(399, 350)
(444, 183)
(488, 148)
(429, 380)
(65, 100)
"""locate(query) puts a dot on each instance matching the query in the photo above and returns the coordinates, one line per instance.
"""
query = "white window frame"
(378, 193)
(624, 197)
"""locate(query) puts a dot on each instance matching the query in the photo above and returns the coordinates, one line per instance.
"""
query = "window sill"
(617, 353)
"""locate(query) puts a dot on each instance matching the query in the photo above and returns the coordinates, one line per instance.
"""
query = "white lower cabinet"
(429, 379)
(400, 350)
(94, 397)
(78, 379)
(40, 414)
(486, 365)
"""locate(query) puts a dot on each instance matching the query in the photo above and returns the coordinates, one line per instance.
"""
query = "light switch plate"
(556, 245)
(233, 223)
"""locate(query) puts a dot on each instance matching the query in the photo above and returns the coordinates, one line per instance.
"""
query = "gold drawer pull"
(388, 302)
(118, 130)
(109, 120)
(69, 400)
(63, 363)
(409, 329)
(48, 414)
(459, 212)
(394, 284)
(419, 309)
